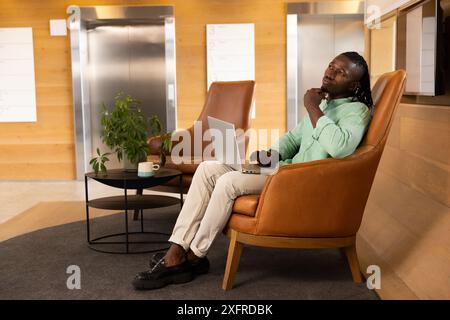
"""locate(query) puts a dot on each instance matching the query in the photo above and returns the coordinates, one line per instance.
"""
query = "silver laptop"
(228, 149)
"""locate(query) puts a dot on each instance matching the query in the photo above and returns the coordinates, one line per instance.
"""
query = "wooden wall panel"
(406, 223)
(43, 149)
(424, 175)
(35, 171)
(392, 286)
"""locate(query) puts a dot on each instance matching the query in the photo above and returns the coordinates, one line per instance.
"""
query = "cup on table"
(147, 169)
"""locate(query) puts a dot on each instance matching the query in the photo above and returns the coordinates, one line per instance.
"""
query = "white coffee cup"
(147, 169)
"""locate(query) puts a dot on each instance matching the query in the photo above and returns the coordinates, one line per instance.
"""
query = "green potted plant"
(166, 139)
(125, 130)
(98, 163)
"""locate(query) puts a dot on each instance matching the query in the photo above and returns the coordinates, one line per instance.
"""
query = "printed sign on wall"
(231, 53)
(17, 83)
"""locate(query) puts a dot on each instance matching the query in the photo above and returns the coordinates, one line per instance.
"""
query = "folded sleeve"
(341, 138)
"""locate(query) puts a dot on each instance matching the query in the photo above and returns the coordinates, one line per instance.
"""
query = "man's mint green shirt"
(337, 133)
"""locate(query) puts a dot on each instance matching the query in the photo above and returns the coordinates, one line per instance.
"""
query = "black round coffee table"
(127, 180)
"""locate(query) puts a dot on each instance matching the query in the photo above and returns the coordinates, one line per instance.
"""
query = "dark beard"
(327, 94)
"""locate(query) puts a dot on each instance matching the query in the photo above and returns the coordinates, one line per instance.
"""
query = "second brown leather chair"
(228, 101)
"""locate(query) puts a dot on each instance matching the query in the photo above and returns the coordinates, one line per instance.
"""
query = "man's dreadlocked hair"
(362, 93)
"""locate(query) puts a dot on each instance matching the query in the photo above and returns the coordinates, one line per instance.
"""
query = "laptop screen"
(226, 147)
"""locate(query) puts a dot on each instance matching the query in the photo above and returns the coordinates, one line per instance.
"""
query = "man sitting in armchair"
(338, 116)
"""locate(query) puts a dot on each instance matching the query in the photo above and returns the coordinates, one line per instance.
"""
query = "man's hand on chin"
(312, 99)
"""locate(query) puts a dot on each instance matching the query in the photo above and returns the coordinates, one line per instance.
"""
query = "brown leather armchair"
(228, 101)
(317, 204)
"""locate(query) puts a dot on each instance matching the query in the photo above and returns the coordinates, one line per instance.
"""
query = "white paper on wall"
(17, 82)
(413, 49)
(231, 53)
(427, 71)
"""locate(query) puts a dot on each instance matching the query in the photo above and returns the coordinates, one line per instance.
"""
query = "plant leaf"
(96, 165)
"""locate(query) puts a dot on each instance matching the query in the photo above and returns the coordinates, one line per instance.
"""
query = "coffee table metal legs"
(126, 216)
(87, 209)
(139, 192)
(93, 242)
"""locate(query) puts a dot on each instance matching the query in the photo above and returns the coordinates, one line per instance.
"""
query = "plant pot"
(129, 166)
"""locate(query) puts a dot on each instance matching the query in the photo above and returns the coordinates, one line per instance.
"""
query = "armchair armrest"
(324, 198)
(155, 143)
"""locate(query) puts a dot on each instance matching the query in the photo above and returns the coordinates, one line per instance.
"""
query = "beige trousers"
(209, 203)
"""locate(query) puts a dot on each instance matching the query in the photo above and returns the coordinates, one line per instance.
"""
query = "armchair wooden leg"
(234, 254)
(353, 262)
(139, 192)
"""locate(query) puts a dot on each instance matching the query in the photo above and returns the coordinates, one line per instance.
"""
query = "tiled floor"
(18, 196)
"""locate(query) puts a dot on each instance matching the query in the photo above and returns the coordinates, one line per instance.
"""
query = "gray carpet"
(33, 266)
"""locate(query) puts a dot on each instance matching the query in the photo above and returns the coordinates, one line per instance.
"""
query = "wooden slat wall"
(45, 149)
(406, 224)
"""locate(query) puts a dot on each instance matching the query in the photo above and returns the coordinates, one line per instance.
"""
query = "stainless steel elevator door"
(120, 48)
(321, 37)
(129, 59)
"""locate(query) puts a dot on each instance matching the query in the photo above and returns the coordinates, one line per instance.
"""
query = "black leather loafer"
(160, 275)
(200, 266)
